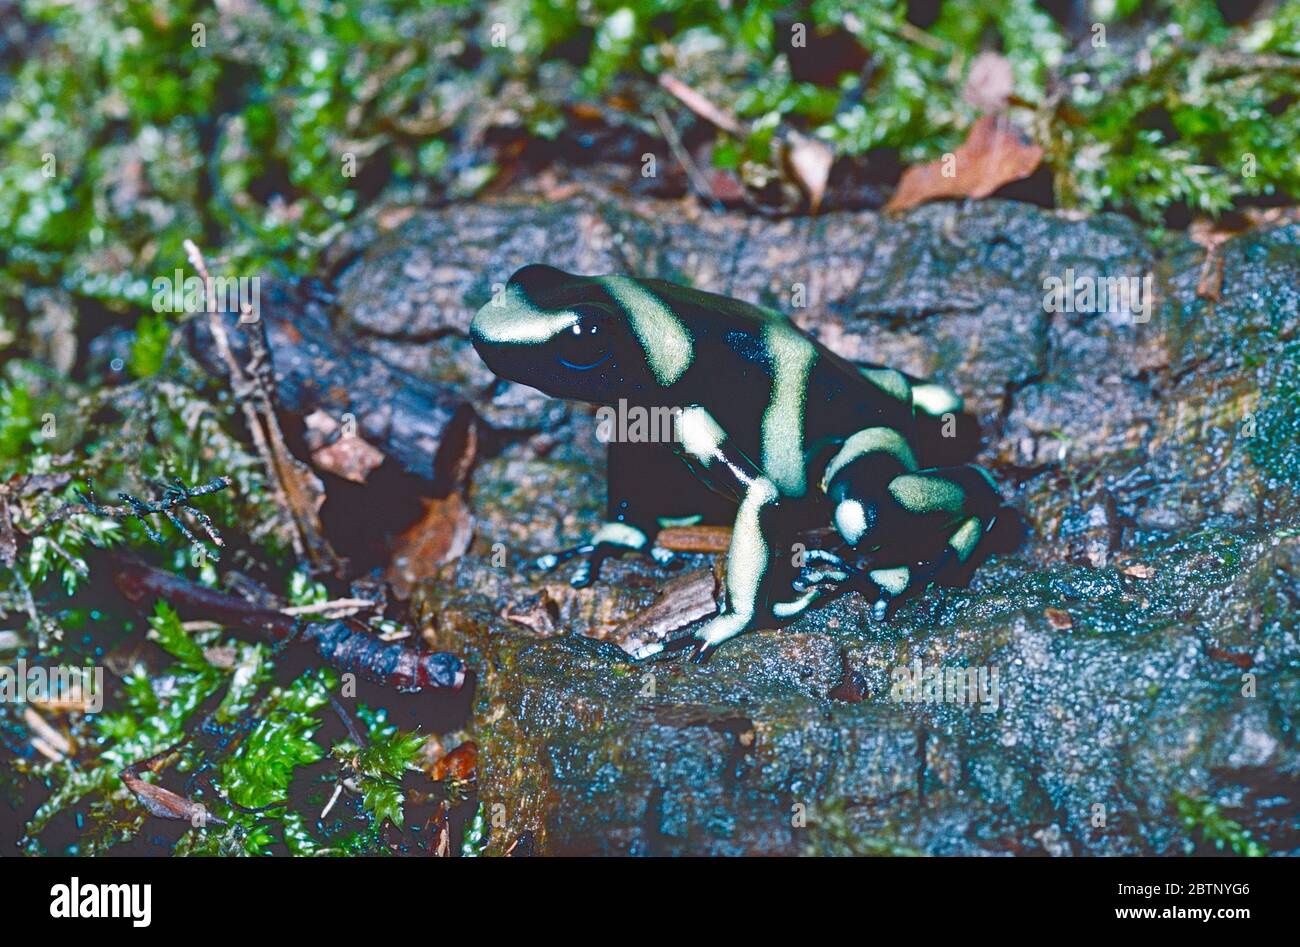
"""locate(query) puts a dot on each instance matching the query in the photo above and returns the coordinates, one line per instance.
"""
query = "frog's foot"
(717, 630)
(653, 649)
(821, 568)
(948, 567)
(612, 539)
(827, 573)
(940, 517)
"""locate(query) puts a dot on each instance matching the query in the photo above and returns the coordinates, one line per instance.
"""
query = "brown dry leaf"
(304, 496)
(1138, 570)
(724, 186)
(166, 804)
(441, 534)
(349, 456)
(460, 764)
(441, 830)
(993, 154)
(700, 105)
(685, 599)
(809, 161)
(1059, 620)
(47, 735)
(390, 218)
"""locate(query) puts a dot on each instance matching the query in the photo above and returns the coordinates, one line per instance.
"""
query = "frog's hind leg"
(859, 473)
(939, 518)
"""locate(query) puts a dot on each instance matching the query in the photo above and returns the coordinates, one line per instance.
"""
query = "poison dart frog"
(778, 435)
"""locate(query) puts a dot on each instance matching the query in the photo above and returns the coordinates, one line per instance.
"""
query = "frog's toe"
(612, 539)
(711, 635)
(809, 578)
(821, 568)
(588, 570)
(664, 558)
(702, 651)
(647, 651)
(553, 560)
(589, 556)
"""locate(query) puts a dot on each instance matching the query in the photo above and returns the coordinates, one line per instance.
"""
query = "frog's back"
(767, 380)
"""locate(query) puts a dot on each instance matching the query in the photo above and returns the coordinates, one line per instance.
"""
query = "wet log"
(427, 429)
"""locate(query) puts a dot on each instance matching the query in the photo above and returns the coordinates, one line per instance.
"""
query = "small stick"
(698, 180)
(700, 105)
(252, 390)
(348, 605)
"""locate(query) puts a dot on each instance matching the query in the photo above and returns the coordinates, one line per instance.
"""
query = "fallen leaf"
(440, 829)
(725, 187)
(700, 105)
(440, 535)
(49, 736)
(1138, 570)
(393, 217)
(347, 455)
(809, 163)
(1059, 620)
(166, 804)
(460, 764)
(992, 155)
(685, 599)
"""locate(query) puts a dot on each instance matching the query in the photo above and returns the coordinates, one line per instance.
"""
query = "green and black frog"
(778, 434)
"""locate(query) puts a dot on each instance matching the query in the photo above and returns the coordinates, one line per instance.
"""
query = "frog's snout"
(495, 353)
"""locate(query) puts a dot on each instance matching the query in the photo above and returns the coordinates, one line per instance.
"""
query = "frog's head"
(595, 339)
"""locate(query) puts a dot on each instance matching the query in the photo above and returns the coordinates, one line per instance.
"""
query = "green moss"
(1206, 823)
(833, 832)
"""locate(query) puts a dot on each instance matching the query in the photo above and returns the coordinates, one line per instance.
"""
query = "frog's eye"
(585, 344)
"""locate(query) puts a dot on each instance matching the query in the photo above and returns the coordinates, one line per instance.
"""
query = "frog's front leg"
(729, 471)
(647, 486)
(611, 539)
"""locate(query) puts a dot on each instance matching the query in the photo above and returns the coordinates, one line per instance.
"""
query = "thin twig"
(700, 105)
(349, 605)
(175, 497)
(698, 180)
(252, 386)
